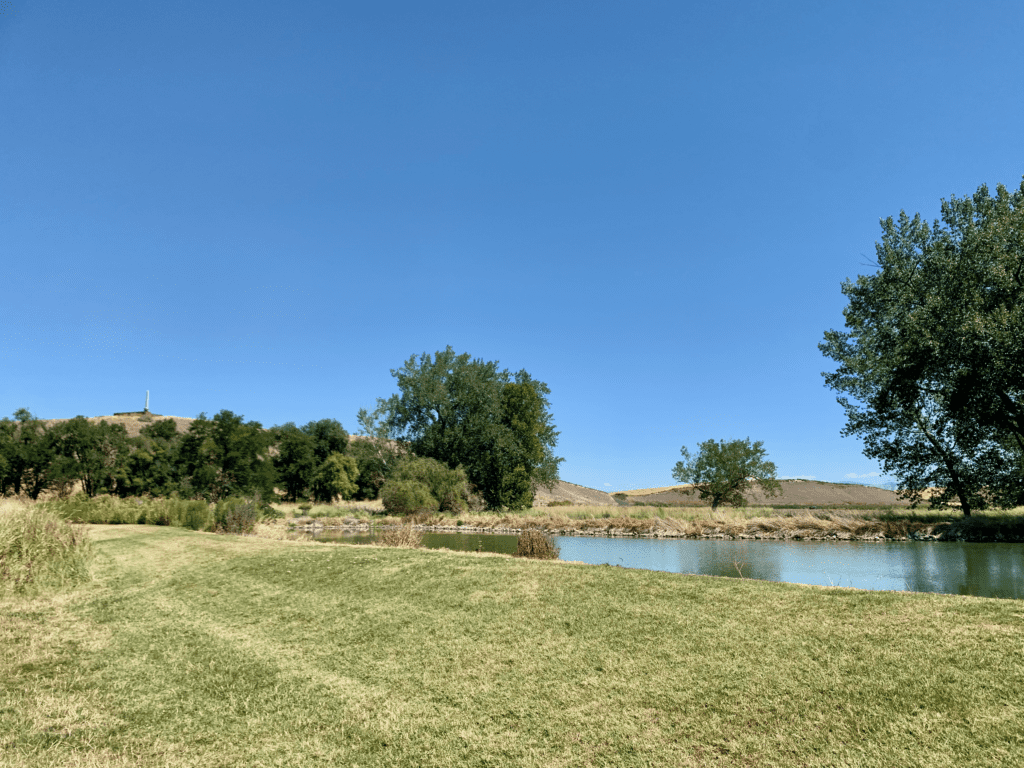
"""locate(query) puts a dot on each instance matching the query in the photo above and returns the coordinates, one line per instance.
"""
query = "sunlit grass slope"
(194, 649)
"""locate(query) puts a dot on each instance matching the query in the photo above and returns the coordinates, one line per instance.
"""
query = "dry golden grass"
(339, 509)
(533, 543)
(273, 530)
(38, 549)
(401, 536)
(742, 522)
(8, 506)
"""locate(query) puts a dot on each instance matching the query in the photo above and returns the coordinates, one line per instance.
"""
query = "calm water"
(959, 568)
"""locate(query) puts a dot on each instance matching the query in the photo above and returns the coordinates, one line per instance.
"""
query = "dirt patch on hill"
(578, 495)
(132, 422)
(797, 493)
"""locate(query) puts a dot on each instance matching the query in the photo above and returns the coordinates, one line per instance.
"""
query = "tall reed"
(401, 536)
(38, 549)
(536, 544)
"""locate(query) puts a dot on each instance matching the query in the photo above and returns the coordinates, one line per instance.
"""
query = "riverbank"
(743, 523)
(200, 649)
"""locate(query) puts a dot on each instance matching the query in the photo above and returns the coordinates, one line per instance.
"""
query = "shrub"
(160, 512)
(109, 510)
(271, 513)
(236, 515)
(39, 549)
(448, 486)
(196, 515)
(536, 544)
(401, 536)
(561, 503)
(407, 497)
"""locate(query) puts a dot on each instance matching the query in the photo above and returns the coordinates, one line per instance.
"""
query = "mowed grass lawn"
(192, 649)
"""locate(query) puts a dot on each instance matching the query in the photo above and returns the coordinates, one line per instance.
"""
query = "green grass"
(191, 649)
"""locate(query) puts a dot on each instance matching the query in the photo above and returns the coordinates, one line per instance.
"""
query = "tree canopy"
(226, 456)
(721, 471)
(302, 453)
(467, 412)
(87, 452)
(931, 366)
(214, 458)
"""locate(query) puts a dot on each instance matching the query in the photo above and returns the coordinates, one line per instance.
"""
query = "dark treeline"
(461, 433)
(214, 459)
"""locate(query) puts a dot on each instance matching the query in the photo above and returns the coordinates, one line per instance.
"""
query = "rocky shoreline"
(978, 529)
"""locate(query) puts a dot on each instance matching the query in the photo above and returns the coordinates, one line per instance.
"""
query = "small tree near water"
(722, 471)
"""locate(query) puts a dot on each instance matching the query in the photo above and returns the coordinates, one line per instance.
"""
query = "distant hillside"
(803, 493)
(579, 495)
(132, 422)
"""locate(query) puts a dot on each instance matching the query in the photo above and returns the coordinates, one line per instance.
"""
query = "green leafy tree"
(302, 451)
(226, 456)
(376, 459)
(722, 471)
(329, 437)
(30, 455)
(469, 413)
(152, 464)
(519, 460)
(296, 460)
(8, 447)
(931, 366)
(335, 478)
(88, 453)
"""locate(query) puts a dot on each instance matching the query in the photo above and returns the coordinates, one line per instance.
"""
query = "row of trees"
(931, 364)
(459, 429)
(215, 458)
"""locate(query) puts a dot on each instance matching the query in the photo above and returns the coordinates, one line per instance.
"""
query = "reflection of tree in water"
(470, 542)
(746, 559)
(966, 568)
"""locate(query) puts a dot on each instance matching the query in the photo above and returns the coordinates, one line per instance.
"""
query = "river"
(957, 568)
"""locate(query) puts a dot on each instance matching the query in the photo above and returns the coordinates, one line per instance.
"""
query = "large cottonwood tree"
(467, 412)
(931, 366)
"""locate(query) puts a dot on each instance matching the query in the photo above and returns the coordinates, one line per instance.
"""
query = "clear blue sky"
(650, 206)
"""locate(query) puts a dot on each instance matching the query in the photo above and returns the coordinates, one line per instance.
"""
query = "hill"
(795, 493)
(132, 422)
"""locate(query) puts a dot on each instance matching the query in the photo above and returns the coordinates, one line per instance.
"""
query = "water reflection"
(962, 568)
(959, 568)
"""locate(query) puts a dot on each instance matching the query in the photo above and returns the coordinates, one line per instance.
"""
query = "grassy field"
(195, 649)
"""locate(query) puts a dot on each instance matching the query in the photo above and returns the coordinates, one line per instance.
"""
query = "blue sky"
(650, 206)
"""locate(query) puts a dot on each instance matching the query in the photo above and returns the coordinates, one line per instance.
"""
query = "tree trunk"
(965, 505)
